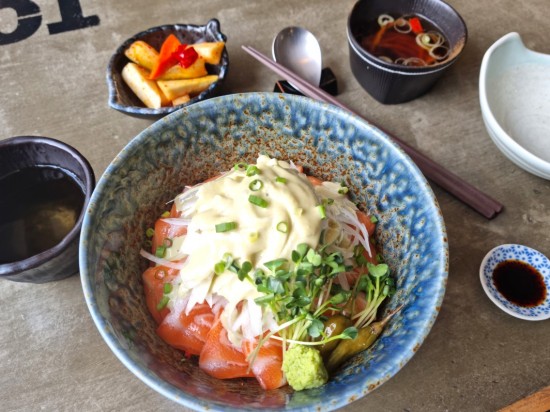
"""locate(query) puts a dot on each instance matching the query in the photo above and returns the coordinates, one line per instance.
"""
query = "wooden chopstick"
(536, 402)
(462, 190)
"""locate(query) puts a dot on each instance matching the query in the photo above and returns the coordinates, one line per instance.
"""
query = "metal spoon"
(298, 50)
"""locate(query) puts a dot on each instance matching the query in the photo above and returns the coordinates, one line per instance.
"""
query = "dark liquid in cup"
(38, 207)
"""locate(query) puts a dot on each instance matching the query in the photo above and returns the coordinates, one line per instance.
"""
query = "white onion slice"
(177, 221)
(161, 261)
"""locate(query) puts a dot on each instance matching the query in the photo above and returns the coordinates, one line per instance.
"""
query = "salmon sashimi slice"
(220, 359)
(166, 230)
(268, 363)
(187, 332)
(154, 279)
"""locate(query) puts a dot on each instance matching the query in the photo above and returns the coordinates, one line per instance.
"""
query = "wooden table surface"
(53, 59)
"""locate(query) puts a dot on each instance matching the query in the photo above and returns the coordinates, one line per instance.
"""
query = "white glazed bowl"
(514, 93)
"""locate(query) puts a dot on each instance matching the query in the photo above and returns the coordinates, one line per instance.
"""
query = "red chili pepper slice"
(185, 55)
(166, 59)
(416, 26)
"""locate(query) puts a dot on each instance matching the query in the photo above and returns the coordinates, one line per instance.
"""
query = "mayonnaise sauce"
(255, 238)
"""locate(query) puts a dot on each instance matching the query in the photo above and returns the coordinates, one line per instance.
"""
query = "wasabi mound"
(304, 368)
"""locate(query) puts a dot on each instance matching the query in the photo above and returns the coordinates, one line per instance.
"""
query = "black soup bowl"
(391, 83)
(45, 186)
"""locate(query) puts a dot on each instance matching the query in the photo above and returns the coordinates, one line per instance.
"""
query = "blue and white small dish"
(524, 254)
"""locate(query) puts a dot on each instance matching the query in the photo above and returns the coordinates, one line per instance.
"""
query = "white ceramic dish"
(524, 254)
(514, 93)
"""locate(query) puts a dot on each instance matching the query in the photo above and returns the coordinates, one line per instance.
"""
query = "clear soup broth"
(409, 40)
(38, 207)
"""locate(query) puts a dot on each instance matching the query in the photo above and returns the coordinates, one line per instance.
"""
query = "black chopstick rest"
(328, 83)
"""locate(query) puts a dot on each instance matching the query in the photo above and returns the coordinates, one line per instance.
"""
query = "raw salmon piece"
(187, 332)
(267, 366)
(154, 279)
(220, 359)
(165, 230)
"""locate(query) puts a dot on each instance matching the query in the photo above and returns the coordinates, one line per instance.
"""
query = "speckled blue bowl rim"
(525, 254)
(344, 395)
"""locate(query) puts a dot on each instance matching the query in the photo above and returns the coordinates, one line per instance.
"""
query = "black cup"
(23, 153)
(391, 83)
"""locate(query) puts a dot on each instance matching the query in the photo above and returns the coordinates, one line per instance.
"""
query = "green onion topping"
(343, 190)
(258, 201)
(160, 252)
(322, 211)
(252, 170)
(165, 214)
(255, 185)
(167, 288)
(280, 179)
(219, 268)
(253, 236)
(374, 219)
(225, 227)
(150, 232)
(163, 302)
(240, 166)
(167, 242)
(282, 227)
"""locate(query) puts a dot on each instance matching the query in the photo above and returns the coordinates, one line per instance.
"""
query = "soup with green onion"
(409, 40)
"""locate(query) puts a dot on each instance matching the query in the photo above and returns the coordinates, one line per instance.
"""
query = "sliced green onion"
(374, 219)
(167, 242)
(258, 201)
(160, 252)
(253, 236)
(163, 302)
(255, 185)
(402, 25)
(225, 227)
(240, 166)
(168, 288)
(150, 232)
(252, 170)
(280, 179)
(219, 268)
(165, 214)
(384, 19)
(282, 227)
(343, 190)
(322, 211)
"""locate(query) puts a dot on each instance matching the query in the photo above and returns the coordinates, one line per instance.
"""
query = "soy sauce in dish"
(520, 283)
(38, 207)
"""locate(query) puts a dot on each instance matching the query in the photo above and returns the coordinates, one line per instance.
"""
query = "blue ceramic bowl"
(206, 138)
(123, 99)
